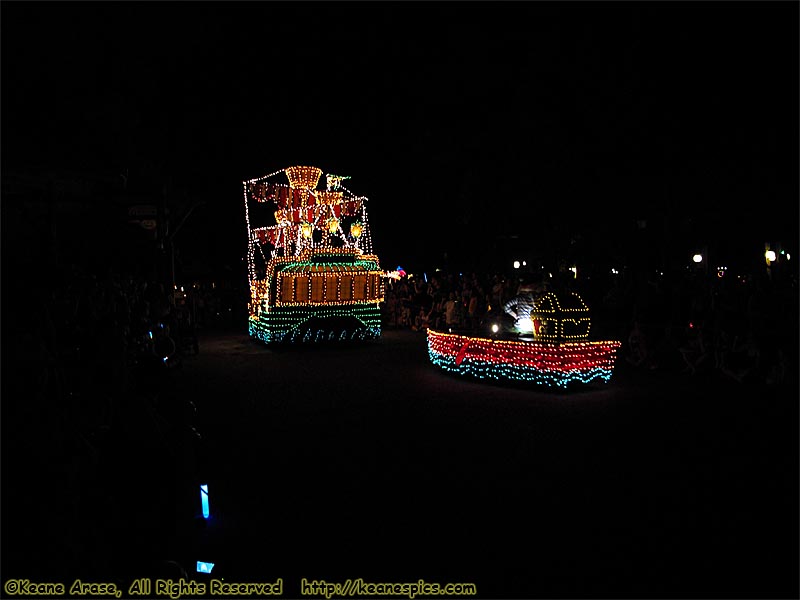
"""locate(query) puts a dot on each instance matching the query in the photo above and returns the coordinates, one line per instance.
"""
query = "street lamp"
(168, 239)
(697, 258)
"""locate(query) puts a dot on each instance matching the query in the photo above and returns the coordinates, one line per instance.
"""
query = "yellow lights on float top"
(549, 303)
(327, 197)
(313, 209)
(303, 178)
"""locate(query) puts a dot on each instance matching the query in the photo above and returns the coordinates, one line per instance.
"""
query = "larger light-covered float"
(312, 274)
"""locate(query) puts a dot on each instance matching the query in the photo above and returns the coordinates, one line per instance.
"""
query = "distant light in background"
(698, 258)
(516, 264)
(770, 256)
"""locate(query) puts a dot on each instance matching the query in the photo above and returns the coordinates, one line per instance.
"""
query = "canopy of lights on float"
(301, 210)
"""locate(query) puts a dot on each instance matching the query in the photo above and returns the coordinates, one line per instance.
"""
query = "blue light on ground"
(204, 567)
(204, 500)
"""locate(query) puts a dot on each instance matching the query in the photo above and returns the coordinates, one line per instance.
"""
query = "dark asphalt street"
(367, 461)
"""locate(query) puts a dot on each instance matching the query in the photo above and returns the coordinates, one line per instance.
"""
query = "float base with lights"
(312, 274)
(549, 346)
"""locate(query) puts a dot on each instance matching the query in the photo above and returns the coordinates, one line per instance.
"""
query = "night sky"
(464, 123)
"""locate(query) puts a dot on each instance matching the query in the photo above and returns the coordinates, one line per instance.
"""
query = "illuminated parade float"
(312, 274)
(548, 344)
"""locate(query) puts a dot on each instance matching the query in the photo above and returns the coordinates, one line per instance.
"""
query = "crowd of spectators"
(104, 449)
(743, 327)
(445, 300)
(739, 327)
(96, 428)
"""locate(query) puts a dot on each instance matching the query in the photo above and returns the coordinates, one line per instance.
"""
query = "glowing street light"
(697, 258)
(516, 264)
(770, 256)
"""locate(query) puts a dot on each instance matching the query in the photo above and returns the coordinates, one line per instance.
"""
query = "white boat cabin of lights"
(313, 276)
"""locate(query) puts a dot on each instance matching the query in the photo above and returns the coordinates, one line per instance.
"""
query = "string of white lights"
(264, 177)
(250, 267)
(297, 225)
(367, 234)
